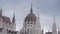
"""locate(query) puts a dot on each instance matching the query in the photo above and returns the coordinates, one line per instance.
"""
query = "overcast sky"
(47, 8)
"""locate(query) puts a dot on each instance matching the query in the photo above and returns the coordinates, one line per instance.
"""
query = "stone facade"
(31, 24)
(6, 26)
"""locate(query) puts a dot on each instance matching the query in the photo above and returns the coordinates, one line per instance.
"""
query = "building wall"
(1, 22)
(58, 32)
(38, 26)
(7, 26)
(31, 27)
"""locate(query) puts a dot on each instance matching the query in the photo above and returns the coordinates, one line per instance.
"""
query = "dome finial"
(31, 9)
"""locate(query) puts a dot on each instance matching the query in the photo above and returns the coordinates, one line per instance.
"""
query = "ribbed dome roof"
(31, 16)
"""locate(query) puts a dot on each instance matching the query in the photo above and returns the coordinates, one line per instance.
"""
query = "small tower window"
(28, 25)
(31, 25)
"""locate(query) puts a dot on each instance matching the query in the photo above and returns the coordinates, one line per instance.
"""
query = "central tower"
(31, 24)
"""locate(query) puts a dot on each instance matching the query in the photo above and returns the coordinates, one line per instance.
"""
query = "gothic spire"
(13, 20)
(31, 9)
(1, 11)
(54, 24)
(54, 28)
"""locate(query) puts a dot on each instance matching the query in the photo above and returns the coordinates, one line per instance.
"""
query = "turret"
(1, 11)
(54, 28)
(13, 19)
(13, 23)
(1, 20)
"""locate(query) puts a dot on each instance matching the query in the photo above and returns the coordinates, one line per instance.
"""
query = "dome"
(31, 16)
